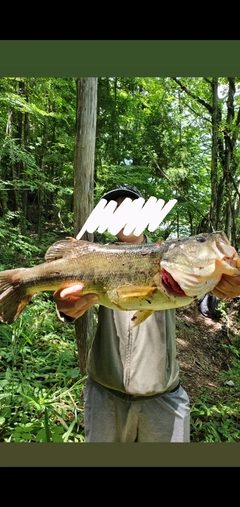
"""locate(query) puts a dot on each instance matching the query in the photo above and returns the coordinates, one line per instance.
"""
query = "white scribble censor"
(131, 216)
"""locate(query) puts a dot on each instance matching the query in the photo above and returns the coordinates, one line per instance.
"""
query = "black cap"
(122, 191)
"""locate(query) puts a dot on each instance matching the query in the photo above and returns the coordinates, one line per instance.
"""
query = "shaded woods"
(173, 137)
(63, 143)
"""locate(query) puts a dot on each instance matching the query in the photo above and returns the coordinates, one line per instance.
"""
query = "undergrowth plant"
(41, 386)
(215, 415)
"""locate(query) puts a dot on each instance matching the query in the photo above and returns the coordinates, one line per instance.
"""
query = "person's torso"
(137, 360)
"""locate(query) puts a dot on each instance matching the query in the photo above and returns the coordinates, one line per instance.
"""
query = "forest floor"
(200, 346)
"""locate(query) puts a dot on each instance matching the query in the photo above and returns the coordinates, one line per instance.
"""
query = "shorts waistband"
(133, 397)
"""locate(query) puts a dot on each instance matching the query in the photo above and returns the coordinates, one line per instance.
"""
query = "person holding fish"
(133, 390)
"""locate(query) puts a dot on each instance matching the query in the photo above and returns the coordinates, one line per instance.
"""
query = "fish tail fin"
(13, 295)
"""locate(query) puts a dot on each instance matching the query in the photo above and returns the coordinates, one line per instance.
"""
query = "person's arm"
(228, 287)
(70, 304)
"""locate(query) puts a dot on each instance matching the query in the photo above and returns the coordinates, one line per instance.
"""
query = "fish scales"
(140, 277)
(107, 264)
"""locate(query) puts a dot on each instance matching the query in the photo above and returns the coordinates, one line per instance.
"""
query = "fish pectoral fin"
(135, 291)
(140, 316)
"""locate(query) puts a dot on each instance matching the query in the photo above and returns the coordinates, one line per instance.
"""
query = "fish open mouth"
(170, 285)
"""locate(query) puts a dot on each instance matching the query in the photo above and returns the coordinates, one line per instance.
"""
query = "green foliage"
(37, 132)
(215, 422)
(215, 417)
(155, 133)
(40, 380)
(17, 250)
(12, 100)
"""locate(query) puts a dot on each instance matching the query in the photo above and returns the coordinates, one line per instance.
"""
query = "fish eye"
(201, 239)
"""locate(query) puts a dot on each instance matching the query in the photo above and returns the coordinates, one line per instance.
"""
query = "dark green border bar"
(119, 58)
(87, 58)
(116, 455)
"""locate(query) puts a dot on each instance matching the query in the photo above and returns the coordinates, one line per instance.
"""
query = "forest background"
(172, 138)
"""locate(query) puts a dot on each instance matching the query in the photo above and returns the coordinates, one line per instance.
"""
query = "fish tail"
(13, 295)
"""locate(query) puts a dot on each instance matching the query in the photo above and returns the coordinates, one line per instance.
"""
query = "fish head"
(193, 266)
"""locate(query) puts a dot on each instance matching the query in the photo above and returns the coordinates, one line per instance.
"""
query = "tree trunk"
(228, 168)
(13, 204)
(83, 190)
(214, 214)
(23, 174)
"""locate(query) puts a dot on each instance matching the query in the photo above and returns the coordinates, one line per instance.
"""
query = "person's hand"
(228, 287)
(70, 302)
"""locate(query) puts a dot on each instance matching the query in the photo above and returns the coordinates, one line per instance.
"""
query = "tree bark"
(214, 212)
(228, 157)
(83, 190)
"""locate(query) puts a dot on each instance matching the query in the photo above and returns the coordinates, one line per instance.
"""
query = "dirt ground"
(199, 345)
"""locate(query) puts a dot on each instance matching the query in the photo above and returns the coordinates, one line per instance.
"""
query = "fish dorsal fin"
(61, 249)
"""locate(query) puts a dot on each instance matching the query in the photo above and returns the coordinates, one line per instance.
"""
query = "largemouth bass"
(141, 277)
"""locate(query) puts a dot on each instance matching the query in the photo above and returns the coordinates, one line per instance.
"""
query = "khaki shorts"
(110, 418)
